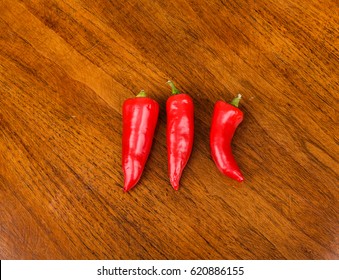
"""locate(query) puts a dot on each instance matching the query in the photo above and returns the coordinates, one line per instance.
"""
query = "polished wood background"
(66, 68)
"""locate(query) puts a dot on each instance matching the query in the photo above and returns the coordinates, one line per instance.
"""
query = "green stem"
(174, 89)
(236, 100)
(142, 93)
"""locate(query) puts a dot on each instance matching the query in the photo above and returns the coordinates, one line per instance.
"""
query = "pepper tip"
(175, 186)
(238, 176)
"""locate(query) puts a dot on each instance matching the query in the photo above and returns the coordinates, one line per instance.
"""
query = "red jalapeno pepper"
(226, 118)
(140, 116)
(180, 133)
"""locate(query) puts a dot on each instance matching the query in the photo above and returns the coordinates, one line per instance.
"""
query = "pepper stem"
(174, 89)
(235, 101)
(142, 93)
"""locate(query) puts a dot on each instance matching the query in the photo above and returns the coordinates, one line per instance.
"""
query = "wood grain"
(67, 66)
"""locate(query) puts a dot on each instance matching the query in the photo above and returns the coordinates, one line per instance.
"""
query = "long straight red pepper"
(226, 118)
(180, 133)
(140, 116)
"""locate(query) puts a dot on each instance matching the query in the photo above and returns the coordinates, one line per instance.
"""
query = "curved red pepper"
(226, 118)
(180, 133)
(140, 116)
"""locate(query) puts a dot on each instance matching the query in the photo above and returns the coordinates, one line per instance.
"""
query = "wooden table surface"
(66, 68)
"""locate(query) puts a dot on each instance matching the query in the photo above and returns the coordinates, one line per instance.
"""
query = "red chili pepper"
(180, 133)
(140, 116)
(226, 118)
